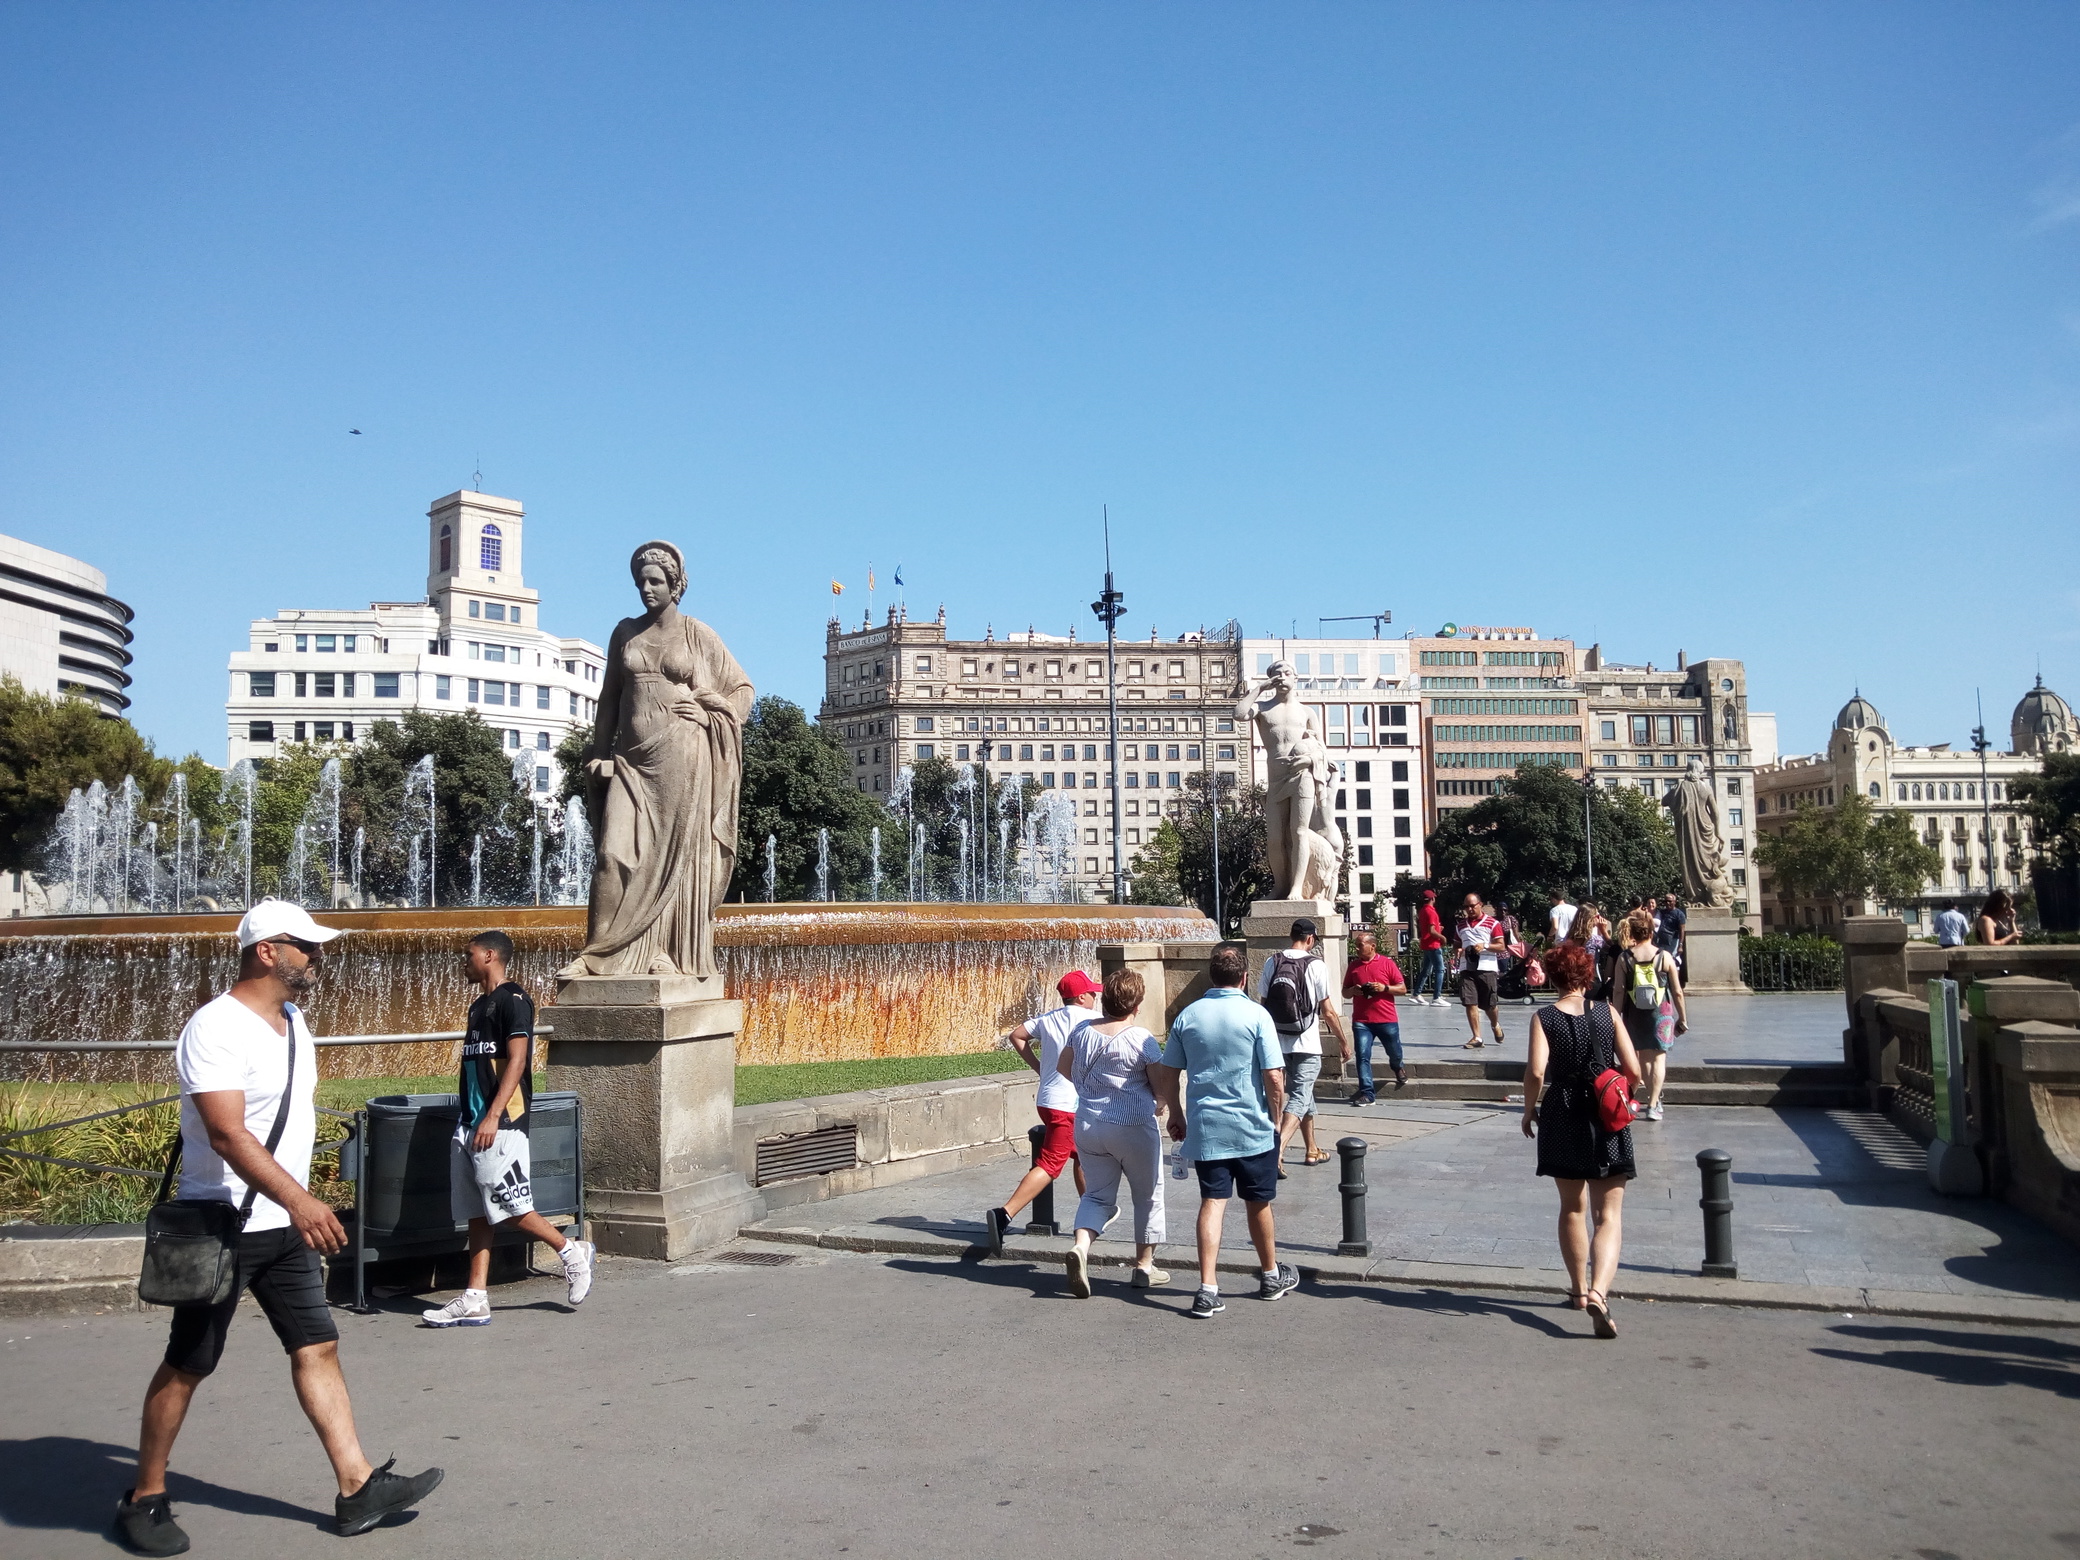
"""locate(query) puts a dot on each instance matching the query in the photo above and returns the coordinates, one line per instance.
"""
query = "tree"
(797, 780)
(2051, 801)
(50, 747)
(1516, 847)
(1849, 853)
(475, 793)
(1176, 867)
(571, 754)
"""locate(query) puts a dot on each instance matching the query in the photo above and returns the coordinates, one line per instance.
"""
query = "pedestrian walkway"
(1788, 1027)
(1832, 1210)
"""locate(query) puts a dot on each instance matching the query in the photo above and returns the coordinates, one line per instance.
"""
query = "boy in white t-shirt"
(238, 1058)
(1039, 1043)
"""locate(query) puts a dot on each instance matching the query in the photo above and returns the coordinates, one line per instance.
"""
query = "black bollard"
(1040, 1221)
(1354, 1242)
(1715, 1168)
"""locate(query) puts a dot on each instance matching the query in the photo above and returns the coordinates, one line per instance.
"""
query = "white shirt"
(228, 1046)
(1475, 939)
(1308, 1042)
(1050, 1032)
(1561, 918)
(1111, 1073)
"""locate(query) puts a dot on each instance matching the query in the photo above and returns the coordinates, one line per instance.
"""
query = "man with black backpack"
(247, 1072)
(1295, 992)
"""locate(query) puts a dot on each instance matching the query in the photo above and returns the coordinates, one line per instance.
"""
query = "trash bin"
(398, 1160)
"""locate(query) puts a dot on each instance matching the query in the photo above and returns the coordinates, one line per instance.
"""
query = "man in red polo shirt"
(1371, 982)
(1039, 1042)
(1430, 938)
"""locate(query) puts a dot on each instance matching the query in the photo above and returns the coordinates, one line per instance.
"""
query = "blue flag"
(899, 574)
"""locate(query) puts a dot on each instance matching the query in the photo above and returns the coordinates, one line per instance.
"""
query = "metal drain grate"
(755, 1258)
(808, 1153)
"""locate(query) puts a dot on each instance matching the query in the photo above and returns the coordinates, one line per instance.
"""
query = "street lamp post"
(1589, 833)
(1980, 746)
(1110, 607)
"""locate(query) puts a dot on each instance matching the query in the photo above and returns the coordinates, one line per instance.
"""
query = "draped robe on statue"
(1698, 841)
(665, 822)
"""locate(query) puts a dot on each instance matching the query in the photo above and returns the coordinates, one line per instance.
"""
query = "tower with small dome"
(2042, 724)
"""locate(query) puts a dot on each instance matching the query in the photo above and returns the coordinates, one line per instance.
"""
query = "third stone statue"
(661, 783)
(1695, 813)
(1300, 837)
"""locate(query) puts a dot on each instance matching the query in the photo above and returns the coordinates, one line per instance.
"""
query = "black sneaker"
(148, 1527)
(1400, 1078)
(1360, 1101)
(1205, 1305)
(1273, 1286)
(999, 1223)
(384, 1493)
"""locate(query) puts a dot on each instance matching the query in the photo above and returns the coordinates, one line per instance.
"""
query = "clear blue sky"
(1751, 330)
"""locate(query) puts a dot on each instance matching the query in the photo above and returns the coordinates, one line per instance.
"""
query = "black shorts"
(1477, 988)
(288, 1281)
(1255, 1177)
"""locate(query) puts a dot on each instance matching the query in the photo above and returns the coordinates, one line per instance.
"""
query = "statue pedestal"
(1268, 928)
(1712, 955)
(655, 1060)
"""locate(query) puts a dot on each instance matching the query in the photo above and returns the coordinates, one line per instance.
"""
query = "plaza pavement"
(1794, 1027)
(918, 1408)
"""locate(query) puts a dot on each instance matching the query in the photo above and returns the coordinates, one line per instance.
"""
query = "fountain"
(476, 869)
(772, 865)
(574, 856)
(823, 865)
(418, 790)
(874, 856)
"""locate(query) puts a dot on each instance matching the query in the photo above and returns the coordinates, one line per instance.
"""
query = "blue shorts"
(1254, 1178)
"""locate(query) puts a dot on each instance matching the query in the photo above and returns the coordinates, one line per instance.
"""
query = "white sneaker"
(577, 1269)
(471, 1308)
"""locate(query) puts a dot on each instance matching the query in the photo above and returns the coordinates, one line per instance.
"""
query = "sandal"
(1600, 1315)
(1473, 1045)
(1576, 1298)
(1321, 1158)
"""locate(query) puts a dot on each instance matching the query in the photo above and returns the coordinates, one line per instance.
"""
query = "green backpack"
(1645, 983)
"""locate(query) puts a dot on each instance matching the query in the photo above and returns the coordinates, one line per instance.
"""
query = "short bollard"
(1354, 1242)
(1041, 1220)
(1715, 1168)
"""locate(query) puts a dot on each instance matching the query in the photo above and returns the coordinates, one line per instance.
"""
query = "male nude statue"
(1293, 757)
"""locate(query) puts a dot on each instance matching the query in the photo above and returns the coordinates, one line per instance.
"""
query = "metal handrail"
(168, 1045)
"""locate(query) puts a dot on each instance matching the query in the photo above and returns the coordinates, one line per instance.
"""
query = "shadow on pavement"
(1044, 1283)
(62, 1481)
(1969, 1359)
(1441, 1302)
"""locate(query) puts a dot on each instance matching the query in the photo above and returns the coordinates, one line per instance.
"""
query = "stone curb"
(1679, 1288)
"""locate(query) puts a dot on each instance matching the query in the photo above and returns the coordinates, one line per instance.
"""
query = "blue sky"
(1748, 330)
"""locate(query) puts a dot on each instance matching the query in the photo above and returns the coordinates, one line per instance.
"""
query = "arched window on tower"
(492, 547)
(447, 550)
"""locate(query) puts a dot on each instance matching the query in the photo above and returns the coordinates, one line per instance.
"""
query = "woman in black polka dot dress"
(1573, 1040)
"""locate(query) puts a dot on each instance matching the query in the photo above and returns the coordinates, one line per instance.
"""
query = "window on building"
(960, 752)
(1609, 730)
(440, 687)
(924, 750)
(303, 643)
(1874, 790)
(386, 685)
(1733, 785)
(1364, 855)
(476, 609)
(498, 653)
(447, 550)
(1054, 668)
(490, 548)
(496, 611)
(494, 693)
(1689, 730)
(923, 666)
(968, 666)
(1010, 668)
(1177, 668)
(475, 691)
(512, 739)
(260, 685)
(259, 731)
(541, 741)
(323, 685)
(541, 698)
(271, 647)
(1642, 730)
(321, 731)
(1403, 855)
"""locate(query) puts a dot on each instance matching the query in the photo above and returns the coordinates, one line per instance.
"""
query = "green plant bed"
(805, 1080)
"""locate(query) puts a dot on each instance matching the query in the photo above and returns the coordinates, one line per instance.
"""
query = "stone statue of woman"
(661, 784)
(1695, 813)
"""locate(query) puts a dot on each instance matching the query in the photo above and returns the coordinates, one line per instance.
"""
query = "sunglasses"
(309, 950)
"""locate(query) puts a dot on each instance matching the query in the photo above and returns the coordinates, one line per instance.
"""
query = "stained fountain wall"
(820, 982)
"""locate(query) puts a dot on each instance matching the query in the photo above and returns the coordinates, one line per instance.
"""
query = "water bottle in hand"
(1180, 1167)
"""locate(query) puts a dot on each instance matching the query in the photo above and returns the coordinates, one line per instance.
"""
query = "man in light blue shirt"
(1950, 926)
(1227, 1046)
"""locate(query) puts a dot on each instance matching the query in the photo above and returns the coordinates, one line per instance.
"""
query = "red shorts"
(1059, 1146)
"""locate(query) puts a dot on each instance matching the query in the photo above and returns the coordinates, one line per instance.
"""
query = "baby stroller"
(1512, 985)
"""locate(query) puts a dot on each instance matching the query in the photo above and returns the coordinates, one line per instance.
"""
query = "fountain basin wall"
(820, 982)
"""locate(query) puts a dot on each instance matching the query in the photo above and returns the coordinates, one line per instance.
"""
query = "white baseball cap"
(278, 918)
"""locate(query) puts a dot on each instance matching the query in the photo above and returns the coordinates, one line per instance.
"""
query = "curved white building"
(60, 629)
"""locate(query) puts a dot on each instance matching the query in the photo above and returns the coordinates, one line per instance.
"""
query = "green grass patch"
(804, 1080)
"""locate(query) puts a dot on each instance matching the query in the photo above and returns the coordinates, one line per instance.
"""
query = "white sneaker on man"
(471, 1308)
(577, 1269)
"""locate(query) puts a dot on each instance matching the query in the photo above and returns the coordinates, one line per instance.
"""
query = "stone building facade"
(474, 641)
(61, 632)
(1493, 698)
(1363, 697)
(1033, 706)
(1951, 796)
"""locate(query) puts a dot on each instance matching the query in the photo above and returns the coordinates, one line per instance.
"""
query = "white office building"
(1369, 710)
(60, 630)
(474, 642)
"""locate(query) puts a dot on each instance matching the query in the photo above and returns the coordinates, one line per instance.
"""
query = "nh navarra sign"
(1476, 631)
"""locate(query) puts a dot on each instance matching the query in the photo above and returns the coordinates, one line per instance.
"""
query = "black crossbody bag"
(191, 1243)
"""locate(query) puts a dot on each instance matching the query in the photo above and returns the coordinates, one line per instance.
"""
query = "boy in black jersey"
(488, 1159)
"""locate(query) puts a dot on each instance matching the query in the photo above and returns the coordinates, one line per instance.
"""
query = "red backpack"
(1613, 1100)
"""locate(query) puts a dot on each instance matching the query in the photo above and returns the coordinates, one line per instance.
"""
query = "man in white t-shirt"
(1294, 988)
(1481, 951)
(248, 1071)
(1559, 919)
(1039, 1043)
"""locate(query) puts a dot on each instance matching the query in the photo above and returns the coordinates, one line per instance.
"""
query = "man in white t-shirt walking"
(1039, 1044)
(1294, 989)
(245, 1060)
(1559, 919)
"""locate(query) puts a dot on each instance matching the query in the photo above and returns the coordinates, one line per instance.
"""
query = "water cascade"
(772, 866)
(874, 846)
(823, 865)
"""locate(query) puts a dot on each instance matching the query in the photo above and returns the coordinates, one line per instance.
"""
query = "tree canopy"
(1516, 847)
(1176, 867)
(1848, 853)
(50, 747)
(2051, 800)
(797, 780)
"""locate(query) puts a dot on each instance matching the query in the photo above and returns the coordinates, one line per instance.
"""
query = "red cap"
(1076, 984)
(1429, 893)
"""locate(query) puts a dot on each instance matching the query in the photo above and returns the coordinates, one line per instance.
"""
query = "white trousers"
(1108, 1150)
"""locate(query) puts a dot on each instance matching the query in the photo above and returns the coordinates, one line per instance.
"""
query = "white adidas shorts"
(492, 1184)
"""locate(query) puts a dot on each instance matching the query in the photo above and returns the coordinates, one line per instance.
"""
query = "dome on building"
(1858, 713)
(2043, 723)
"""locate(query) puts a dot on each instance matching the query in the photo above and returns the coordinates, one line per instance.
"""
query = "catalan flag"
(837, 589)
